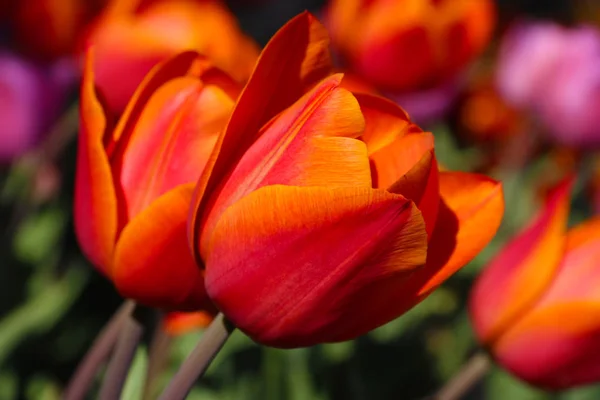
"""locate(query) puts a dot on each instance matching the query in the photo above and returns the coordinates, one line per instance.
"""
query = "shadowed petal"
(473, 206)
(283, 268)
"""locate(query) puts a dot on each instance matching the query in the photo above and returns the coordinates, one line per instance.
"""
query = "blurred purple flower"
(30, 101)
(429, 105)
(555, 72)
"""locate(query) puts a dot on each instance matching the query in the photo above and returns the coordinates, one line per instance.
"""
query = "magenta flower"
(30, 99)
(553, 71)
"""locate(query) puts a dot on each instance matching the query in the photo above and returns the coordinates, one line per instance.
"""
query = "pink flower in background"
(30, 100)
(553, 71)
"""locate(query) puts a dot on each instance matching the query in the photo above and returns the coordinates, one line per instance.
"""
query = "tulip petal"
(153, 264)
(180, 323)
(184, 64)
(517, 277)
(296, 58)
(95, 209)
(470, 213)
(554, 347)
(401, 154)
(385, 121)
(309, 144)
(171, 142)
(294, 266)
(421, 185)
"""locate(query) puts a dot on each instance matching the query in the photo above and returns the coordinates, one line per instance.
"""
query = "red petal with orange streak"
(95, 209)
(294, 60)
(171, 142)
(556, 343)
(295, 266)
(153, 264)
(309, 144)
(523, 270)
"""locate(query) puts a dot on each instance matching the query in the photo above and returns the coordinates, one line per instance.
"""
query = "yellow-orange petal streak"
(523, 270)
(95, 209)
(153, 264)
(296, 58)
(283, 267)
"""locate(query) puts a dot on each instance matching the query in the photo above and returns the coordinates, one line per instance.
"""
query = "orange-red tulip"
(133, 35)
(537, 305)
(135, 179)
(401, 45)
(321, 214)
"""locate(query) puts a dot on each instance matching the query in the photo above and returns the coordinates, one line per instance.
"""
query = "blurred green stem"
(83, 377)
(159, 353)
(471, 373)
(118, 366)
(199, 359)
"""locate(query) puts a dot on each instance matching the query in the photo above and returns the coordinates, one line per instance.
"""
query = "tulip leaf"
(134, 385)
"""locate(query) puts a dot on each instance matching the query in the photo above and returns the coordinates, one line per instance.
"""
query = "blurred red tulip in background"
(132, 36)
(407, 45)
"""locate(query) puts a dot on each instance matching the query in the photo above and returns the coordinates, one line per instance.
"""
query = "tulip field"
(307, 199)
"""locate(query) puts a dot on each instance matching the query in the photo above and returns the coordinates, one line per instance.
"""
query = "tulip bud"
(130, 38)
(135, 179)
(323, 214)
(406, 45)
(536, 306)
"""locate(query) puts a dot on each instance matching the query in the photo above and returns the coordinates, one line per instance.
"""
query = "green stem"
(199, 359)
(159, 353)
(471, 373)
(84, 375)
(118, 367)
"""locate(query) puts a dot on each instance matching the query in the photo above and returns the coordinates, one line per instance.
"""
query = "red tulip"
(133, 35)
(321, 214)
(135, 178)
(536, 306)
(406, 45)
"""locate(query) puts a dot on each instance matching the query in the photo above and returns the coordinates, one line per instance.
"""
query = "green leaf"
(134, 385)
(42, 311)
